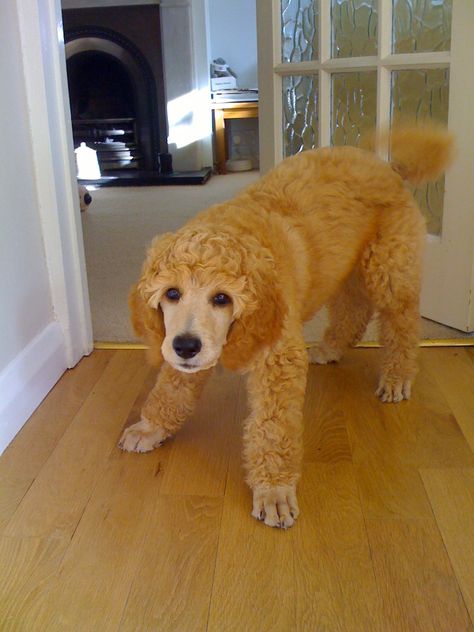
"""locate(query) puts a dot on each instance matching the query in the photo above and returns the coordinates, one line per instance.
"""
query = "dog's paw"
(393, 390)
(276, 506)
(142, 437)
(323, 354)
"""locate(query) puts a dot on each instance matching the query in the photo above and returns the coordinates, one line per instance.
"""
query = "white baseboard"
(26, 381)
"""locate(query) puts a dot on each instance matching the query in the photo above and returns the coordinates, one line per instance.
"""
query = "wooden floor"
(95, 539)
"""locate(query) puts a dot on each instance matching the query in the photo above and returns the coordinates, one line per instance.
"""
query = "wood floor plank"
(388, 490)
(54, 503)
(335, 582)
(422, 432)
(470, 352)
(172, 586)
(390, 442)
(453, 370)
(203, 444)
(451, 493)
(417, 583)
(27, 566)
(325, 433)
(254, 586)
(90, 589)
(40, 435)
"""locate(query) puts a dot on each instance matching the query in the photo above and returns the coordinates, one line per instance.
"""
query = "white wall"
(25, 299)
(187, 87)
(233, 34)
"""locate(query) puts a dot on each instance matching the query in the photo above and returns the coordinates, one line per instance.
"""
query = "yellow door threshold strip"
(437, 342)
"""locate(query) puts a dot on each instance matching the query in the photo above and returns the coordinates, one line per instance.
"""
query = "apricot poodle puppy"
(332, 226)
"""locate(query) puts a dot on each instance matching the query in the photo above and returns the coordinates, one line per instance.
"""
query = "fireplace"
(104, 112)
(116, 91)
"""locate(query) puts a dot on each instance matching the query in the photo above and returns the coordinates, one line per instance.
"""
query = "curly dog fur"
(333, 226)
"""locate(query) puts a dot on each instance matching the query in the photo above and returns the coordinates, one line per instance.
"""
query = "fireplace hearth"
(116, 92)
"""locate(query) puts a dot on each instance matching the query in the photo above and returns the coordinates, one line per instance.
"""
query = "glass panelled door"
(420, 26)
(331, 71)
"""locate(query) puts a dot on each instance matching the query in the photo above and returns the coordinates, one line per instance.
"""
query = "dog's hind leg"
(399, 336)
(350, 311)
(171, 401)
(392, 274)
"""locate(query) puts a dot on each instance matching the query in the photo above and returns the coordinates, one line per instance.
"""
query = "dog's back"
(418, 154)
(346, 195)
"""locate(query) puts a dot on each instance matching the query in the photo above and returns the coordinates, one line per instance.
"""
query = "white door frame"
(448, 290)
(44, 66)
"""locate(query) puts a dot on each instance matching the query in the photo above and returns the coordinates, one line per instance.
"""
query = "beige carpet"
(120, 224)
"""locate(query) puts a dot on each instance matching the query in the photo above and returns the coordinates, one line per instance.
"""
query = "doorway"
(120, 222)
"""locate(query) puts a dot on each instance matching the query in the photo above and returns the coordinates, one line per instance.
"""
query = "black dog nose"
(186, 346)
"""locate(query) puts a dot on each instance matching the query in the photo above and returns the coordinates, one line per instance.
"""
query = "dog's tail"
(418, 153)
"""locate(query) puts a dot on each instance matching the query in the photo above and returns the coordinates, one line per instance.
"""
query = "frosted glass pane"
(300, 113)
(354, 28)
(422, 25)
(354, 106)
(299, 30)
(423, 95)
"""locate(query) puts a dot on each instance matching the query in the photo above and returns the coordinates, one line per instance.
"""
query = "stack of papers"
(224, 96)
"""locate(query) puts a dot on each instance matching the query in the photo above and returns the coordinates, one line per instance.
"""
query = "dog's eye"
(221, 299)
(173, 294)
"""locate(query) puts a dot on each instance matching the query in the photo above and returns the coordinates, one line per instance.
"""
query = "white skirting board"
(26, 381)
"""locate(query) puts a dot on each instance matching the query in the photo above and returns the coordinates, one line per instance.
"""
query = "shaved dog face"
(197, 321)
(200, 284)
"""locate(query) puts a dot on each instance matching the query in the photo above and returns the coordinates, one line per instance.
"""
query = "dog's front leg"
(273, 432)
(171, 401)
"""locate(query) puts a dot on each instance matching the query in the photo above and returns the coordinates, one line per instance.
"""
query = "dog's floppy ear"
(148, 324)
(261, 320)
(147, 320)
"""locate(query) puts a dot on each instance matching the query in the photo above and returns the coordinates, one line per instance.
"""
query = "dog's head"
(205, 297)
